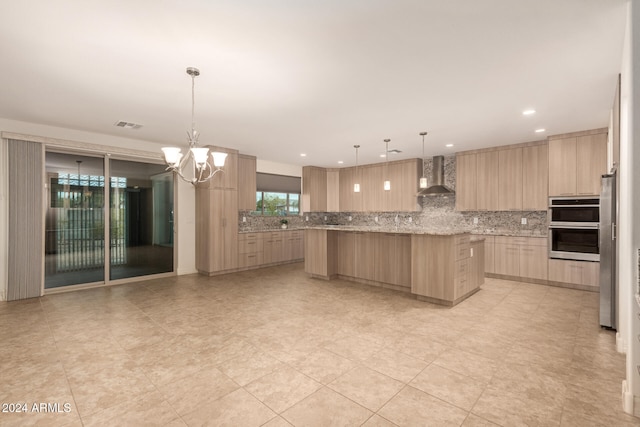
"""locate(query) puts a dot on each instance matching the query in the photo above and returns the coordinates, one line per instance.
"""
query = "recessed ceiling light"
(540, 130)
(383, 155)
(303, 155)
(449, 145)
(528, 112)
(340, 162)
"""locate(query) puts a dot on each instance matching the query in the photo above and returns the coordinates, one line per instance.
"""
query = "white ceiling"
(284, 77)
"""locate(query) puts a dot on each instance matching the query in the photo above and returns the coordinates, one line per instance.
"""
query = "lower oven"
(574, 241)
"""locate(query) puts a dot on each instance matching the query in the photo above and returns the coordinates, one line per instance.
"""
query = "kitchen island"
(436, 266)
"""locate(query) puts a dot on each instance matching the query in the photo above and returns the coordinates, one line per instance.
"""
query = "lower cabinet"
(269, 247)
(584, 273)
(524, 257)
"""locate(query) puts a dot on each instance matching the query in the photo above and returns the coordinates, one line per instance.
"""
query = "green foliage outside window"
(277, 204)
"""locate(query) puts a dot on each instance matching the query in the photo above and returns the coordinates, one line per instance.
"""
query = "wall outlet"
(410, 220)
(244, 219)
(306, 218)
(350, 217)
(375, 219)
(325, 217)
(523, 221)
(475, 220)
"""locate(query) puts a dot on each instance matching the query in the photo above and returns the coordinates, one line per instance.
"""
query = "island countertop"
(392, 230)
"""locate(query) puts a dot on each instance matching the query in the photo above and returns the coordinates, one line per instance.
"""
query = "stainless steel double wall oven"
(574, 228)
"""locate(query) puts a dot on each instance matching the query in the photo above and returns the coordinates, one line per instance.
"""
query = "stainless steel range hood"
(437, 186)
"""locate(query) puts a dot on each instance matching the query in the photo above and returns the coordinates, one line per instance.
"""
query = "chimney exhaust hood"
(437, 186)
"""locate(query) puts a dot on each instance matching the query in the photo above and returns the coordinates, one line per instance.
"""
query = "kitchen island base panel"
(445, 302)
(438, 266)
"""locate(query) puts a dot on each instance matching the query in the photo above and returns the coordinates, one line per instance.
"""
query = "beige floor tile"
(367, 387)
(238, 408)
(278, 422)
(507, 409)
(325, 407)
(412, 407)
(180, 342)
(395, 364)
(149, 409)
(323, 365)
(188, 393)
(469, 364)
(377, 421)
(282, 388)
(354, 348)
(249, 366)
(452, 387)
(476, 421)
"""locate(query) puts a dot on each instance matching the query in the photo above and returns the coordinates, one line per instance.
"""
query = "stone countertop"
(510, 233)
(391, 230)
(268, 230)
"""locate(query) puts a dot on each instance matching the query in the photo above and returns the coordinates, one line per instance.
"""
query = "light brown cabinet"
(576, 164)
(216, 230)
(535, 178)
(333, 190)
(441, 268)
(524, 257)
(346, 252)
(510, 174)
(477, 260)
(250, 250)
(257, 249)
(246, 182)
(489, 254)
(466, 182)
(583, 273)
(319, 253)
(487, 181)
(314, 189)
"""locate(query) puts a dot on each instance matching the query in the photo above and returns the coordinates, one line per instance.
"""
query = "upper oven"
(574, 228)
(574, 210)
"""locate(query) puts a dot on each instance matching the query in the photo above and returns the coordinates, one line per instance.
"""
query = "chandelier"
(203, 168)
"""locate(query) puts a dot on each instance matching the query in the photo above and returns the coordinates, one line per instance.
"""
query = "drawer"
(249, 246)
(463, 239)
(250, 260)
(462, 268)
(463, 251)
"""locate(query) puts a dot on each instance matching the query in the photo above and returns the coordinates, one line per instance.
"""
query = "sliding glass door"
(138, 240)
(141, 219)
(74, 220)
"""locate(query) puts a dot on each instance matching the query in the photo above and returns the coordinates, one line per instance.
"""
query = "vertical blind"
(25, 219)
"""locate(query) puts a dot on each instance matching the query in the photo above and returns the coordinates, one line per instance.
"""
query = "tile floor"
(272, 347)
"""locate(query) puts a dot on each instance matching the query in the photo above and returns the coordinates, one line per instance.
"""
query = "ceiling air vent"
(127, 125)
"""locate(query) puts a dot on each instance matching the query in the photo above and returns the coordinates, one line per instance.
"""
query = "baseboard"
(544, 282)
(627, 398)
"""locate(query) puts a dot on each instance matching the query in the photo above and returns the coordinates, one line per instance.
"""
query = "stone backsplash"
(438, 212)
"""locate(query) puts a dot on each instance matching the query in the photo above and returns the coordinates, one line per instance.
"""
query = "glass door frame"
(106, 158)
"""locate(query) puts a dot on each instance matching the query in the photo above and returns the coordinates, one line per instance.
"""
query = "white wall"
(629, 227)
(266, 166)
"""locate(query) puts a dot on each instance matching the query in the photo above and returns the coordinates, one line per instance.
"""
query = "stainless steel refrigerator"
(607, 241)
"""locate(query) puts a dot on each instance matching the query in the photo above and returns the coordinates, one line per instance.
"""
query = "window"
(271, 203)
(277, 195)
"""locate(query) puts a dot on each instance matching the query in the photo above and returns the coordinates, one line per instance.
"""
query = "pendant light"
(202, 168)
(423, 180)
(387, 183)
(356, 186)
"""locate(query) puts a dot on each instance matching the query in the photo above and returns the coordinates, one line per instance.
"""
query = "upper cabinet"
(246, 182)
(331, 190)
(576, 164)
(314, 189)
(466, 182)
(487, 178)
(512, 178)
(535, 178)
